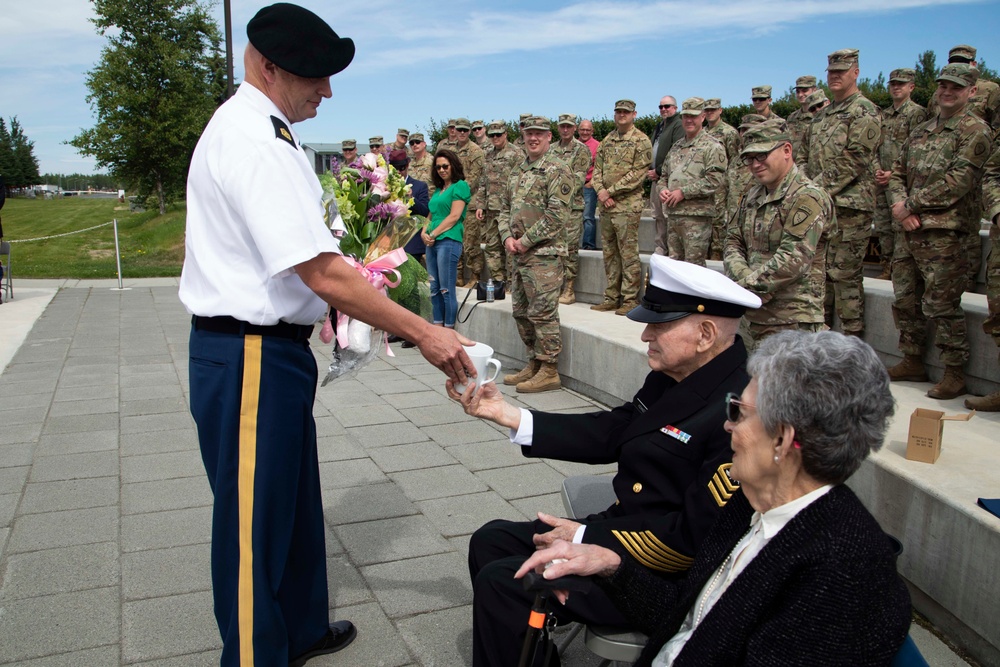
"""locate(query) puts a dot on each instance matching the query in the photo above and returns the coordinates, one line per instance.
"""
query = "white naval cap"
(677, 289)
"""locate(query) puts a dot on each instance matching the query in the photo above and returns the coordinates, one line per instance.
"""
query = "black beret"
(298, 41)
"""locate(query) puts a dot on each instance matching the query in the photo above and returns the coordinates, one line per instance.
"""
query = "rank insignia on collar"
(282, 132)
(675, 432)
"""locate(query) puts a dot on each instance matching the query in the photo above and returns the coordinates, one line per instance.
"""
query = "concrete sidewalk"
(105, 509)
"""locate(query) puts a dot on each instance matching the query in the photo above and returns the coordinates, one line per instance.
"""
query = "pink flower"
(369, 160)
(380, 175)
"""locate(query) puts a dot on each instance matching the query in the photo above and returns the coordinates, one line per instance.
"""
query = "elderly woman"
(795, 571)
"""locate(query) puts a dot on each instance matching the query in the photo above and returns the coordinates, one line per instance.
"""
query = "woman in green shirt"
(443, 235)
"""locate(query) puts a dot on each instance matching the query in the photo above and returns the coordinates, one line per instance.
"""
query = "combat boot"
(910, 369)
(546, 379)
(988, 403)
(568, 296)
(626, 307)
(605, 305)
(525, 373)
(951, 385)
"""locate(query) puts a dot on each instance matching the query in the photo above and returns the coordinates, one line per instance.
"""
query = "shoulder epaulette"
(282, 132)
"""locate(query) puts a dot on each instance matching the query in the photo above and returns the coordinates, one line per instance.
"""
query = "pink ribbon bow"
(381, 274)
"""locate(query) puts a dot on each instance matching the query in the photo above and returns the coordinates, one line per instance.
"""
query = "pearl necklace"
(718, 575)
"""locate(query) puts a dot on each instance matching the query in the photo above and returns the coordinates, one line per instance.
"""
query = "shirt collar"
(776, 518)
(261, 102)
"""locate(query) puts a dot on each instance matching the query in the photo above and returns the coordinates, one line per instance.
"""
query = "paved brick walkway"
(105, 509)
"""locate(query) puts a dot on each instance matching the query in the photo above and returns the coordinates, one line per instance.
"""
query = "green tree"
(926, 81)
(24, 160)
(7, 164)
(160, 78)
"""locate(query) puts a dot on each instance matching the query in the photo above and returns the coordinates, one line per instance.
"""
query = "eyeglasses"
(415, 142)
(757, 157)
(733, 404)
(496, 134)
(375, 146)
(442, 167)
(668, 106)
(462, 129)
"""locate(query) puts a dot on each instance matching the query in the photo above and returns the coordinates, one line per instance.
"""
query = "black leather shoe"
(393, 338)
(340, 634)
(408, 344)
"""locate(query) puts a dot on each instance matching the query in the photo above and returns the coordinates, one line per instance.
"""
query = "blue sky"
(418, 60)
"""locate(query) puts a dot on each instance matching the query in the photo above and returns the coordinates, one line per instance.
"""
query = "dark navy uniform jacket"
(673, 460)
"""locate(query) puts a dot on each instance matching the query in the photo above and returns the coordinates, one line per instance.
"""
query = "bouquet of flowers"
(367, 205)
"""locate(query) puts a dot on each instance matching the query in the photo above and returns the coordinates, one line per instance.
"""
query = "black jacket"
(669, 131)
(823, 591)
(669, 491)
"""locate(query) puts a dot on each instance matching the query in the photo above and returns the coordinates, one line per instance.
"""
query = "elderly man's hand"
(562, 529)
(582, 559)
(486, 403)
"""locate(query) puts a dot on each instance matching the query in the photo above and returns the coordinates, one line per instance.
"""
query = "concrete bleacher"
(951, 547)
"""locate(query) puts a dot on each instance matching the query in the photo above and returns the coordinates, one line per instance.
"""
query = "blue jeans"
(442, 265)
(589, 221)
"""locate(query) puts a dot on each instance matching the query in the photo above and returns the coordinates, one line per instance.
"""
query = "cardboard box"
(923, 442)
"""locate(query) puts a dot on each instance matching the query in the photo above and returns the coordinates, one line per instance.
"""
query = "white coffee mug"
(481, 355)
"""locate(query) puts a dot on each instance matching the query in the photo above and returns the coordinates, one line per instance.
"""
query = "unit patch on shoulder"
(721, 486)
(282, 132)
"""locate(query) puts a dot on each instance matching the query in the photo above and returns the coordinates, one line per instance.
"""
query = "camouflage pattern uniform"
(696, 167)
(481, 141)
(991, 201)
(620, 167)
(376, 141)
(576, 156)
(535, 209)
(519, 141)
(739, 178)
(842, 142)
(776, 248)
(729, 137)
(896, 127)
(798, 128)
(472, 157)
(936, 176)
(489, 197)
(420, 169)
(802, 155)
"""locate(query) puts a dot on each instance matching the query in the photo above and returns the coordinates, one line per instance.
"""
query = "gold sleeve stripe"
(721, 486)
(651, 552)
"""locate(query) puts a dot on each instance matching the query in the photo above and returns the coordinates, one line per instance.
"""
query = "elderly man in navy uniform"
(260, 268)
(672, 452)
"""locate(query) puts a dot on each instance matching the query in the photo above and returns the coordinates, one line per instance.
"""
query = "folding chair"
(6, 285)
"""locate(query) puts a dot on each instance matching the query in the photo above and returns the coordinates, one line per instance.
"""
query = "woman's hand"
(486, 403)
(426, 238)
(582, 559)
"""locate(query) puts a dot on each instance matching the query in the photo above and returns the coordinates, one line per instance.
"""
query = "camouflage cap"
(903, 75)
(750, 120)
(524, 117)
(819, 97)
(693, 106)
(760, 92)
(496, 126)
(349, 144)
(538, 123)
(713, 103)
(960, 73)
(403, 131)
(806, 81)
(841, 60)
(462, 124)
(567, 119)
(377, 141)
(625, 105)
(417, 136)
(451, 122)
(765, 137)
(963, 53)
(476, 124)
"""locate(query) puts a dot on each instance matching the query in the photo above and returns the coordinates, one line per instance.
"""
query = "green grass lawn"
(151, 245)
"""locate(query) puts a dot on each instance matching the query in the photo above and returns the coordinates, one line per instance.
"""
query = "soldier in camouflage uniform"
(985, 103)
(472, 157)
(842, 142)
(349, 147)
(776, 246)
(991, 201)
(726, 135)
(576, 155)
(534, 215)
(375, 145)
(479, 135)
(739, 178)
(402, 136)
(487, 200)
(815, 102)
(694, 169)
(932, 192)
(799, 120)
(619, 169)
(519, 141)
(422, 162)
(451, 140)
(898, 120)
(760, 96)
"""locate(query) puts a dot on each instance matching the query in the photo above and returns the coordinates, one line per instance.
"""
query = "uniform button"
(637, 487)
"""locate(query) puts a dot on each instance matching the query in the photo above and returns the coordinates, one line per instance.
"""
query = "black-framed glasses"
(496, 134)
(733, 405)
(757, 157)
(668, 106)
(442, 167)
(415, 142)
(375, 147)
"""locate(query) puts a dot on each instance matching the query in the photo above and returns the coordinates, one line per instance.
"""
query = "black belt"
(230, 325)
